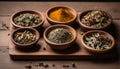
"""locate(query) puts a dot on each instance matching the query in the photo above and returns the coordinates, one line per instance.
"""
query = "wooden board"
(43, 51)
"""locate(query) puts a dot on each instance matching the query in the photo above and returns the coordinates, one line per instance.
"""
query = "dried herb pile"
(97, 41)
(24, 37)
(96, 19)
(59, 35)
(27, 19)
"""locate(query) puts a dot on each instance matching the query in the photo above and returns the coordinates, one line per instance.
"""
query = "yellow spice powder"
(61, 15)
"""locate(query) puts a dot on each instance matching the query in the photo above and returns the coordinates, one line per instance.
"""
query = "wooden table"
(8, 8)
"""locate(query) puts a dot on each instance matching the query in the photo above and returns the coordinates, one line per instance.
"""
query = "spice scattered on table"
(73, 65)
(97, 41)
(27, 19)
(61, 15)
(66, 65)
(53, 65)
(60, 35)
(28, 66)
(24, 37)
(96, 19)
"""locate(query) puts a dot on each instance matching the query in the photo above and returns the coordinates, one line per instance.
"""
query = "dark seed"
(8, 34)
(44, 48)
(53, 65)
(73, 65)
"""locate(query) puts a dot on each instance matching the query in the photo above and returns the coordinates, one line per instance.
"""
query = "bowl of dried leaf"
(60, 37)
(94, 20)
(27, 18)
(25, 37)
(61, 15)
(97, 41)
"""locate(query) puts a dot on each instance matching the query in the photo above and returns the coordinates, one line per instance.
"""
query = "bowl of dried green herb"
(27, 18)
(94, 20)
(61, 15)
(25, 37)
(97, 41)
(60, 36)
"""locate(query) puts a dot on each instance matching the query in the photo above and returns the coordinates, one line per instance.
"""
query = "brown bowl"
(87, 28)
(60, 46)
(27, 45)
(27, 11)
(69, 22)
(97, 50)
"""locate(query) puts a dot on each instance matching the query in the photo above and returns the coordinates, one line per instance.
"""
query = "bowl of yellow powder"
(61, 15)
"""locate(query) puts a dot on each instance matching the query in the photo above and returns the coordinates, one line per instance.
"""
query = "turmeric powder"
(61, 15)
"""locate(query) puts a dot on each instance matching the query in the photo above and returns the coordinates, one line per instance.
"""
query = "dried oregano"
(97, 41)
(96, 19)
(59, 35)
(27, 19)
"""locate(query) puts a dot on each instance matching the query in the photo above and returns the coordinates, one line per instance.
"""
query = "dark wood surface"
(8, 8)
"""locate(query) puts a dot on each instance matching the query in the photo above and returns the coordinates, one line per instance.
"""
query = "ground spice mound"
(61, 15)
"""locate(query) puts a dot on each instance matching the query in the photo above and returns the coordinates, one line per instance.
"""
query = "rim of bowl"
(60, 26)
(60, 6)
(27, 11)
(34, 30)
(85, 12)
(99, 31)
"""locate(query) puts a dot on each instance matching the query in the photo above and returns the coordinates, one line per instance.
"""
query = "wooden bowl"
(88, 28)
(27, 45)
(27, 11)
(92, 49)
(60, 46)
(69, 22)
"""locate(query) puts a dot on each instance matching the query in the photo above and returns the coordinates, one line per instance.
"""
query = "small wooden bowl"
(27, 11)
(92, 50)
(60, 46)
(88, 28)
(53, 22)
(28, 45)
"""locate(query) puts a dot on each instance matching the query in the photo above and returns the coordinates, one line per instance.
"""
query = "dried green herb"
(96, 19)
(97, 41)
(27, 19)
(24, 37)
(60, 35)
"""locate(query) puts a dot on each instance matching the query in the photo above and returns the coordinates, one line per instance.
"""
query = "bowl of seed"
(61, 15)
(97, 41)
(94, 20)
(27, 18)
(25, 37)
(60, 37)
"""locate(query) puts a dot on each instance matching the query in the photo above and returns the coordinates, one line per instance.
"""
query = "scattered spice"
(73, 65)
(44, 48)
(53, 65)
(27, 19)
(28, 66)
(61, 15)
(66, 65)
(8, 34)
(59, 35)
(41, 64)
(24, 37)
(97, 41)
(96, 19)
(46, 65)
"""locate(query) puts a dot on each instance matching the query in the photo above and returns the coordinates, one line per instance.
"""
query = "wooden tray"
(43, 51)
